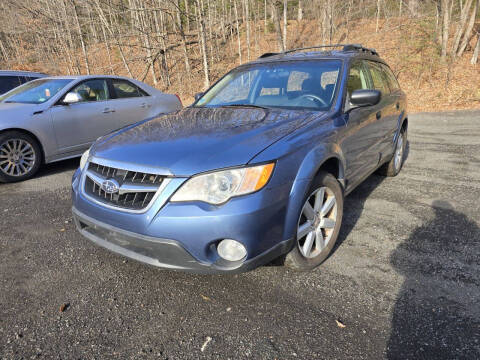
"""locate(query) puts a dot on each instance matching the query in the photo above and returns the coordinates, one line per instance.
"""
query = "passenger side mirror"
(198, 95)
(361, 98)
(71, 98)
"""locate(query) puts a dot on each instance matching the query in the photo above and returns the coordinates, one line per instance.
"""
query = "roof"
(21, 73)
(85, 77)
(347, 51)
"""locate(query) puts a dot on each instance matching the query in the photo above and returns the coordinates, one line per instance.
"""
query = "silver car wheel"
(17, 157)
(317, 222)
(399, 153)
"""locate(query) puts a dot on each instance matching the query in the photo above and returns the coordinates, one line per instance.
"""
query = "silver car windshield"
(296, 84)
(35, 92)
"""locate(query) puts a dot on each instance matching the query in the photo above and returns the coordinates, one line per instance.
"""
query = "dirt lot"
(402, 283)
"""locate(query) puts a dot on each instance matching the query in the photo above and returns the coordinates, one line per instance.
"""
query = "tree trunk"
(445, 28)
(461, 26)
(468, 32)
(276, 23)
(82, 41)
(247, 19)
(476, 51)
(300, 10)
(285, 23)
(237, 20)
(203, 43)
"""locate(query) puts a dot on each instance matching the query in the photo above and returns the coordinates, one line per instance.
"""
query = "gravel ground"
(402, 283)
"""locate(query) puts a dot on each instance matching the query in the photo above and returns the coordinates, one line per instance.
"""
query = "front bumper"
(164, 253)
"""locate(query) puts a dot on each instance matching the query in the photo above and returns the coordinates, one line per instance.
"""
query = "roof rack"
(345, 47)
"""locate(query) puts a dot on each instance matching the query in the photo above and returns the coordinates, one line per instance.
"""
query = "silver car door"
(129, 103)
(78, 124)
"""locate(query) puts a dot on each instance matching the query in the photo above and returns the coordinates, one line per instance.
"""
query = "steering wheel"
(314, 98)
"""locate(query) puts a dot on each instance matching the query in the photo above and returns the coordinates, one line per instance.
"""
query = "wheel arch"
(327, 158)
(42, 150)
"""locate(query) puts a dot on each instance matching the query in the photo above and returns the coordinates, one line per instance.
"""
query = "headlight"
(218, 187)
(84, 159)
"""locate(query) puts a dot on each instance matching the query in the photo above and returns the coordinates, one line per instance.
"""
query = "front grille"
(135, 191)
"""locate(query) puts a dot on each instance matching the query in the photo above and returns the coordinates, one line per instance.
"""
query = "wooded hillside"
(182, 46)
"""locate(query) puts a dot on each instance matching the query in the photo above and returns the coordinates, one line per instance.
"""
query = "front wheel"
(20, 156)
(318, 225)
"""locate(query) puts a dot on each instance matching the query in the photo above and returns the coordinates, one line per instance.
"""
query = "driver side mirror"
(198, 95)
(360, 98)
(71, 98)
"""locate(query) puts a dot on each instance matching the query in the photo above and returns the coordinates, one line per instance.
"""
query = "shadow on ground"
(58, 167)
(430, 319)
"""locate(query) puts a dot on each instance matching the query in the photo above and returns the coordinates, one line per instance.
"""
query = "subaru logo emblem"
(110, 186)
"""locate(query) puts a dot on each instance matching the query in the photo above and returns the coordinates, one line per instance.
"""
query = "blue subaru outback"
(255, 169)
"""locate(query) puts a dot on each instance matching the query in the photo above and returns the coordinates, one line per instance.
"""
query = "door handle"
(145, 105)
(378, 115)
(398, 106)
(108, 110)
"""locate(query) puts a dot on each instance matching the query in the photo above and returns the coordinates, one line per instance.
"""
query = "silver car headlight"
(220, 186)
(84, 159)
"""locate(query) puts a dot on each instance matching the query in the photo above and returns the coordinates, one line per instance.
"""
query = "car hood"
(195, 140)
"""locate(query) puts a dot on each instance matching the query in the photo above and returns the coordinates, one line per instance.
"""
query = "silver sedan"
(56, 118)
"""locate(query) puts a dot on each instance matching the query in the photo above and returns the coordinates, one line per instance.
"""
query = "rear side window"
(392, 80)
(125, 89)
(379, 78)
(7, 83)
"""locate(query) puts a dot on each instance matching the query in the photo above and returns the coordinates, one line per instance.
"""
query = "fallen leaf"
(62, 230)
(205, 343)
(206, 298)
(64, 307)
(340, 324)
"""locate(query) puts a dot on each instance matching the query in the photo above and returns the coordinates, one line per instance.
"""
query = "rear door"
(77, 125)
(128, 103)
(360, 140)
(386, 111)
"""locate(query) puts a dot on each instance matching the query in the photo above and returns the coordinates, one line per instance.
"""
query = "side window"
(357, 79)
(92, 90)
(379, 78)
(125, 89)
(7, 83)
(392, 80)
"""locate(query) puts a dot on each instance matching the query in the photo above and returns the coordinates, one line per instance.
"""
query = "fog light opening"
(231, 250)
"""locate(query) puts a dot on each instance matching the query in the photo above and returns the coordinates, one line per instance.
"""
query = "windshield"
(35, 92)
(297, 84)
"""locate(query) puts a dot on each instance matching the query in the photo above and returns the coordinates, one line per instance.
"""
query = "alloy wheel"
(17, 157)
(399, 153)
(317, 222)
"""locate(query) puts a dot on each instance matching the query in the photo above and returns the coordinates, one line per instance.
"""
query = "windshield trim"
(338, 88)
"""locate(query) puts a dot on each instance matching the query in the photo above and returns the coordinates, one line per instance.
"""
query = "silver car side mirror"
(71, 98)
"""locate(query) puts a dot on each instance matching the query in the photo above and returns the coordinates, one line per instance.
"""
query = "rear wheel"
(20, 156)
(318, 225)
(393, 167)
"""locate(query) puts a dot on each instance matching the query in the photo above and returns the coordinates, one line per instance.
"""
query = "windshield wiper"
(246, 105)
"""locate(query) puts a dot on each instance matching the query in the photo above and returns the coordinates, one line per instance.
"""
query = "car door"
(77, 125)
(398, 106)
(386, 112)
(128, 103)
(359, 140)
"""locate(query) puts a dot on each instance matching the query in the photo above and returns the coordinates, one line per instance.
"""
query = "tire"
(323, 188)
(393, 167)
(20, 156)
